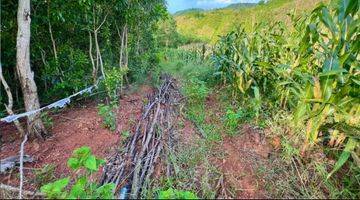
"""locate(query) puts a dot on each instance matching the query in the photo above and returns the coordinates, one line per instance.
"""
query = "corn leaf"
(350, 146)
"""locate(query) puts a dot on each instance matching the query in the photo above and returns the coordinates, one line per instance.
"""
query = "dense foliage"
(75, 42)
(312, 71)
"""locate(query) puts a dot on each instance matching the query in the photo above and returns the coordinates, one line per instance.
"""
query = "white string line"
(58, 104)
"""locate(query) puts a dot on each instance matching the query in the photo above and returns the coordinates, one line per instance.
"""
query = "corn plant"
(330, 101)
(254, 63)
(312, 71)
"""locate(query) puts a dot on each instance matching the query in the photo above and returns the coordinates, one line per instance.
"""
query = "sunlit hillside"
(207, 25)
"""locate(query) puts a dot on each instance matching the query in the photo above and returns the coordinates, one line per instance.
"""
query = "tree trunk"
(98, 54)
(121, 37)
(52, 41)
(60, 71)
(42, 52)
(26, 76)
(126, 61)
(97, 48)
(94, 71)
(126, 49)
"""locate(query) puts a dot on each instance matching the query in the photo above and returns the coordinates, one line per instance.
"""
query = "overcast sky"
(177, 5)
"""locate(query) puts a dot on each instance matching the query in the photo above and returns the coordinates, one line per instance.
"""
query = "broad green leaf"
(73, 163)
(55, 190)
(331, 64)
(327, 89)
(343, 4)
(99, 162)
(352, 8)
(350, 146)
(332, 72)
(61, 184)
(90, 163)
(356, 81)
(328, 21)
(82, 151)
(78, 190)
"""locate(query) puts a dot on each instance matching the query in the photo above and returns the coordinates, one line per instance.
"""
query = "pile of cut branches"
(154, 139)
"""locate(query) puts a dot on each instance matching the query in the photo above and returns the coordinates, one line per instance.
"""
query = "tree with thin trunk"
(9, 106)
(35, 125)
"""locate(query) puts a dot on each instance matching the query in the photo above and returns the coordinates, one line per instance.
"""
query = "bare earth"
(79, 126)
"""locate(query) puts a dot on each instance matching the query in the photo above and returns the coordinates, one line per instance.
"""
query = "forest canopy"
(73, 43)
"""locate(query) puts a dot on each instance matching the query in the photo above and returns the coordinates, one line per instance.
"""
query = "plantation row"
(313, 71)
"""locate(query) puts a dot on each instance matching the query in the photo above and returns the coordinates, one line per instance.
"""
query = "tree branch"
(22, 166)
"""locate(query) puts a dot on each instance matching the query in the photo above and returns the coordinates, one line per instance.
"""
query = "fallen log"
(13, 161)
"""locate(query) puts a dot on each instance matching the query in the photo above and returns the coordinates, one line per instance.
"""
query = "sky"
(177, 5)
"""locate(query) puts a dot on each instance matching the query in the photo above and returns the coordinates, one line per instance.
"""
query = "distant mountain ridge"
(187, 11)
(231, 6)
(207, 25)
(240, 5)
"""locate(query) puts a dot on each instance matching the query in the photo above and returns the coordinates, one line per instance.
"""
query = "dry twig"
(135, 165)
(22, 165)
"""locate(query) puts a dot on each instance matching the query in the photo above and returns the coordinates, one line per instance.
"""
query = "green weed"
(176, 194)
(108, 114)
(84, 164)
(125, 134)
(114, 81)
(47, 120)
(44, 175)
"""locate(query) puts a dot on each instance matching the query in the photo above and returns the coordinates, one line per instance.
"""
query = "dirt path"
(243, 155)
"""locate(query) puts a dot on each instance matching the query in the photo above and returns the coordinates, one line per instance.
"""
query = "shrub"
(84, 164)
(114, 81)
(196, 91)
(108, 115)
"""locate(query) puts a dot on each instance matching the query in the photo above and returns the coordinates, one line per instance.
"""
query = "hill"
(198, 10)
(188, 11)
(207, 25)
(241, 5)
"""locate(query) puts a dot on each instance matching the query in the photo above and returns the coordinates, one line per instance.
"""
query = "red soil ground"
(72, 128)
(242, 155)
(79, 126)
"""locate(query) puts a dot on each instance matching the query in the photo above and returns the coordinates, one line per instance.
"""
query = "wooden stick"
(22, 166)
(154, 130)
